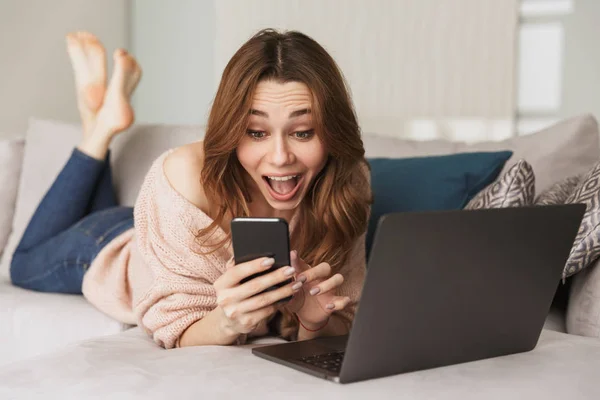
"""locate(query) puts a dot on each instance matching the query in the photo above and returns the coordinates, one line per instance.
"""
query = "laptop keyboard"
(329, 361)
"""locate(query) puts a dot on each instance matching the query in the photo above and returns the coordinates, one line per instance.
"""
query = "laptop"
(443, 288)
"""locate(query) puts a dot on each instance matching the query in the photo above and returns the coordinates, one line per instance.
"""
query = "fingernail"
(297, 285)
(314, 291)
(330, 306)
(302, 278)
(268, 262)
(289, 271)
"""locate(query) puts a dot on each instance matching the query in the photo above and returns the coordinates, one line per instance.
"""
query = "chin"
(283, 206)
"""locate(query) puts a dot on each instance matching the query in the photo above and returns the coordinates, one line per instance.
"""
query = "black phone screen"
(253, 238)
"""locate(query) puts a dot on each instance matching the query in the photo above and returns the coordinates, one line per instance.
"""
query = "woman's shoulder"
(182, 167)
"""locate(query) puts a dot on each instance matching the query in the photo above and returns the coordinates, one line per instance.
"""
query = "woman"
(282, 140)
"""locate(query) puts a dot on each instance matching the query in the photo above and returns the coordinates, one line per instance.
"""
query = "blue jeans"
(76, 218)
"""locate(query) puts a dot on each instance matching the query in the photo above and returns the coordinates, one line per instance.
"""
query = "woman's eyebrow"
(293, 114)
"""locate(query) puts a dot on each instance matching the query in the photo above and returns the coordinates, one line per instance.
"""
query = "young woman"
(282, 140)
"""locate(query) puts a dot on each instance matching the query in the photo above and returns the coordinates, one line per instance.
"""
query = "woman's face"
(280, 151)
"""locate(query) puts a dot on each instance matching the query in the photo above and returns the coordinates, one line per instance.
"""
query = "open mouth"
(283, 188)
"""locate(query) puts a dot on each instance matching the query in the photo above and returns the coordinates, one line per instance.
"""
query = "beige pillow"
(567, 148)
(514, 188)
(48, 145)
(11, 160)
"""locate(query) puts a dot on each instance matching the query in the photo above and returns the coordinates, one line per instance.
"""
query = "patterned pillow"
(586, 247)
(559, 192)
(515, 188)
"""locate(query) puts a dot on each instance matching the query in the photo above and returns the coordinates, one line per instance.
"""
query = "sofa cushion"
(564, 149)
(515, 188)
(567, 148)
(34, 323)
(11, 160)
(129, 365)
(429, 183)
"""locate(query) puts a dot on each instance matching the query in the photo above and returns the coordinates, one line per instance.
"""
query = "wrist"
(226, 332)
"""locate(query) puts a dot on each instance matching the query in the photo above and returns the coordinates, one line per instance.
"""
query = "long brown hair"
(335, 210)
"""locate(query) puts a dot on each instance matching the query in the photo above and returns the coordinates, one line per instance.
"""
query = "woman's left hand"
(314, 303)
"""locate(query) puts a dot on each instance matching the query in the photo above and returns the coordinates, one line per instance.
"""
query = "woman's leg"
(66, 202)
(59, 264)
(51, 236)
(104, 195)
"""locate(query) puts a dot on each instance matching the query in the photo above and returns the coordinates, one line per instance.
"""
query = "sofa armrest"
(11, 160)
(583, 310)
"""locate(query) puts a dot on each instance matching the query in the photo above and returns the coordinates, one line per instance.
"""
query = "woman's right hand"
(243, 308)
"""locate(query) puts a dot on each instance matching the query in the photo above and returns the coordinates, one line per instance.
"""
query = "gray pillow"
(514, 188)
(586, 247)
(559, 192)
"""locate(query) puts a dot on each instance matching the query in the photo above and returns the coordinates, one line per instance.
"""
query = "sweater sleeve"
(180, 290)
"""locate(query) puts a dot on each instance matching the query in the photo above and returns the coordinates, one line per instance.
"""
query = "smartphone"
(253, 238)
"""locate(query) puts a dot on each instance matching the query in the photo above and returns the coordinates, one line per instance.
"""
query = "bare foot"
(88, 60)
(116, 113)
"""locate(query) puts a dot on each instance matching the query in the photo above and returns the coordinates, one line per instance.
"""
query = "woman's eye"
(256, 134)
(305, 134)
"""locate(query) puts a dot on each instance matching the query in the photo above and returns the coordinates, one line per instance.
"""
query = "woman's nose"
(280, 153)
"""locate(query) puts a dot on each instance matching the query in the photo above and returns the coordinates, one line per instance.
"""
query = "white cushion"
(11, 160)
(130, 366)
(33, 323)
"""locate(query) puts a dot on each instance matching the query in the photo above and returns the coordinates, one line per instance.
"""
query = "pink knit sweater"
(156, 275)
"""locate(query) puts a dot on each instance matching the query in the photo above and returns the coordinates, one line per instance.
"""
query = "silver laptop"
(444, 288)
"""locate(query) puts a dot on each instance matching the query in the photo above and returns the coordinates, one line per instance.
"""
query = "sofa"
(60, 344)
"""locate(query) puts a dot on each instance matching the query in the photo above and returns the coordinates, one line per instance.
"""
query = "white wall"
(174, 43)
(410, 64)
(35, 73)
(183, 46)
(582, 60)
(557, 64)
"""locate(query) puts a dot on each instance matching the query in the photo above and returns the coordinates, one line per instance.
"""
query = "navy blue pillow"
(445, 182)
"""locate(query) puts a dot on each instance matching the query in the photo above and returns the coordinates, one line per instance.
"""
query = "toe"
(86, 35)
(72, 39)
(125, 60)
